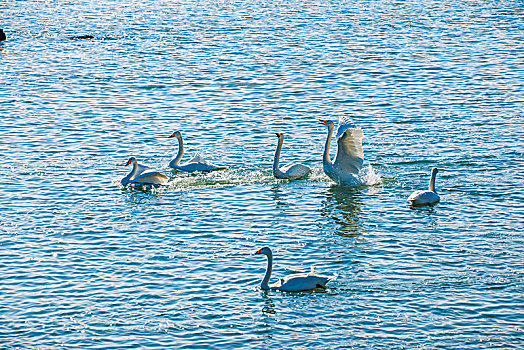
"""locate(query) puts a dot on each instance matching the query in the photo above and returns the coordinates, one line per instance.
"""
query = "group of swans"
(308, 281)
(144, 175)
(348, 161)
(344, 170)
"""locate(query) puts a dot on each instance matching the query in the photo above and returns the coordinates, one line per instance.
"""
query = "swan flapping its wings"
(350, 155)
(344, 123)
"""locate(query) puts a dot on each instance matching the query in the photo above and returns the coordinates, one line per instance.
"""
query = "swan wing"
(344, 123)
(295, 171)
(197, 158)
(151, 177)
(198, 163)
(199, 166)
(350, 155)
(142, 168)
(423, 197)
(300, 282)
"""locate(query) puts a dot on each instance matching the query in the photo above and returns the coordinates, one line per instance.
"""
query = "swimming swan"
(195, 164)
(291, 283)
(143, 175)
(426, 197)
(292, 171)
(350, 155)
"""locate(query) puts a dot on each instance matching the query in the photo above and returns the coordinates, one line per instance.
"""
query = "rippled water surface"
(86, 264)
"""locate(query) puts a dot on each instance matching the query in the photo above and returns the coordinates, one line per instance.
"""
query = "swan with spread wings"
(350, 155)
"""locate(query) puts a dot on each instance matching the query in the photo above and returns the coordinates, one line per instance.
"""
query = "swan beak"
(323, 122)
(278, 134)
(258, 252)
(172, 135)
(128, 162)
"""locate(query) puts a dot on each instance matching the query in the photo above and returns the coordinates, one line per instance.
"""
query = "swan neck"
(264, 285)
(326, 160)
(135, 169)
(131, 174)
(180, 153)
(432, 181)
(276, 171)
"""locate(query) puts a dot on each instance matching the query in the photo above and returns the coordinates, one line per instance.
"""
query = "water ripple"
(88, 264)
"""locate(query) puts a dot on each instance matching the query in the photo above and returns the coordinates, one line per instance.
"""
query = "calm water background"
(87, 264)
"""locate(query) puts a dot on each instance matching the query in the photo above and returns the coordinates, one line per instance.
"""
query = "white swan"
(350, 155)
(143, 175)
(195, 164)
(289, 171)
(291, 283)
(426, 197)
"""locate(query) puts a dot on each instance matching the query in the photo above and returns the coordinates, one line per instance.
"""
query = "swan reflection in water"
(269, 305)
(279, 196)
(343, 207)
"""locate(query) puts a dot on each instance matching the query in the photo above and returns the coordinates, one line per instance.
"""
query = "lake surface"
(87, 264)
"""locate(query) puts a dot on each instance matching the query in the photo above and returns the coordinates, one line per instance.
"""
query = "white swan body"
(350, 155)
(426, 197)
(291, 283)
(143, 175)
(197, 163)
(292, 171)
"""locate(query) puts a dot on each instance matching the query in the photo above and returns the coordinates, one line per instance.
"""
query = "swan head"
(328, 123)
(176, 134)
(434, 171)
(131, 160)
(279, 135)
(265, 251)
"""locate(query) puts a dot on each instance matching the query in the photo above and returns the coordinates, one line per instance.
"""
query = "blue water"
(87, 264)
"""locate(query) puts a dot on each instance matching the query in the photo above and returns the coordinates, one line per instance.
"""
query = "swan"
(426, 197)
(143, 175)
(289, 171)
(291, 283)
(195, 164)
(350, 155)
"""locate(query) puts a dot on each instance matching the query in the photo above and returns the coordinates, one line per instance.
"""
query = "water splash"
(369, 177)
(241, 176)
